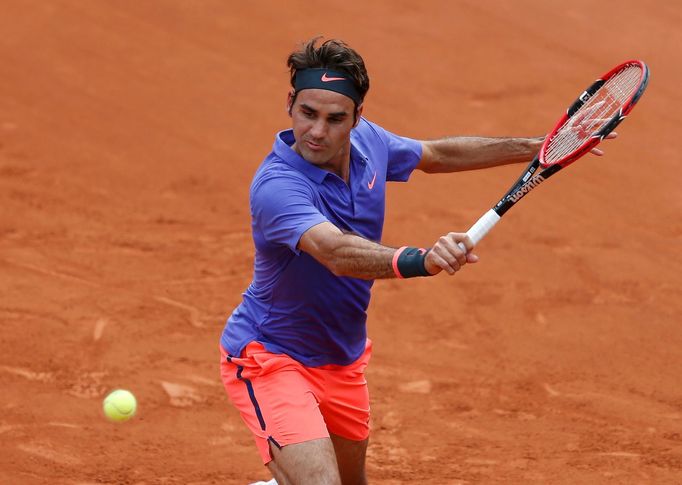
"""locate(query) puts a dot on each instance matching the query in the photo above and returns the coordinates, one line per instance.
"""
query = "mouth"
(316, 147)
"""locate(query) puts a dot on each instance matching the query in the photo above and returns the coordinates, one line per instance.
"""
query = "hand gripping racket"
(596, 112)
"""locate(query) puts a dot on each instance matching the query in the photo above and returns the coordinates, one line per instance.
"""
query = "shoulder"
(274, 171)
(368, 128)
(275, 179)
(369, 132)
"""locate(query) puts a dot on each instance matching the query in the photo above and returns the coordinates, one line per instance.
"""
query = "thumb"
(472, 258)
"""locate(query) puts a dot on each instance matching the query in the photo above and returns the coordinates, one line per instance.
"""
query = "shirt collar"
(282, 148)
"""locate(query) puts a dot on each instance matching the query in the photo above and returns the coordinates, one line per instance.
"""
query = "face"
(322, 121)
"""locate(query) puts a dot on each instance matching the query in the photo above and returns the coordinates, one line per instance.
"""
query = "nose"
(319, 128)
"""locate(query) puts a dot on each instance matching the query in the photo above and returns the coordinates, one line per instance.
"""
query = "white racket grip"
(482, 226)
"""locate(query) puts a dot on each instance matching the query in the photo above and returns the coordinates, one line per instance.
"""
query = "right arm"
(351, 255)
(283, 210)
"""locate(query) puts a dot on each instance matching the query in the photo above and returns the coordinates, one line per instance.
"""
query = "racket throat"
(525, 184)
(526, 187)
(520, 189)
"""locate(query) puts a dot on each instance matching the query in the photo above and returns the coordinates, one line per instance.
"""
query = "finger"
(597, 151)
(455, 249)
(468, 243)
(611, 135)
(462, 238)
(450, 250)
(440, 262)
(472, 258)
(460, 256)
(449, 261)
(431, 267)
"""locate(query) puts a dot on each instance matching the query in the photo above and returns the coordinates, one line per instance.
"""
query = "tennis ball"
(120, 405)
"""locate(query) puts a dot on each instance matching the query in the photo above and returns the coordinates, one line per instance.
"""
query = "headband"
(326, 79)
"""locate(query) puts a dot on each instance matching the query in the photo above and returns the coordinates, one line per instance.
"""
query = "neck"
(339, 164)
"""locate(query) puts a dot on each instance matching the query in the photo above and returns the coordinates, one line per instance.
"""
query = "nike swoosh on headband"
(326, 79)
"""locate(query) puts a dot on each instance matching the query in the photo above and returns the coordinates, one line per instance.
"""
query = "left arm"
(459, 153)
(455, 154)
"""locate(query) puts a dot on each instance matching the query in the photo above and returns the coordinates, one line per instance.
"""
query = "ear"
(290, 101)
(358, 114)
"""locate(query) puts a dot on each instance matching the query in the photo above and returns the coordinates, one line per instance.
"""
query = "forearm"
(356, 257)
(455, 154)
(349, 255)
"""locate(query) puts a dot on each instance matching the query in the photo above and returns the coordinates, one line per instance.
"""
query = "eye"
(308, 114)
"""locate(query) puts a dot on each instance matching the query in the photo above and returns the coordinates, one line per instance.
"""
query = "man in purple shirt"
(294, 351)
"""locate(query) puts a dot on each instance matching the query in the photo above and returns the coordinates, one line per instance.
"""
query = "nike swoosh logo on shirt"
(370, 185)
(326, 79)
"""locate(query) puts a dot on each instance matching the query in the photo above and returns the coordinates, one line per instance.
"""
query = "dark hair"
(331, 54)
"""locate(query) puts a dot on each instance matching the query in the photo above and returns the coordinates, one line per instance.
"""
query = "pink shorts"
(283, 402)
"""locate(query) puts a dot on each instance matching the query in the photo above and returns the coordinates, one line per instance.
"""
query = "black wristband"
(408, 262)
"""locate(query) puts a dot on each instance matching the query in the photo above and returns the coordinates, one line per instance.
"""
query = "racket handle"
(481, 228)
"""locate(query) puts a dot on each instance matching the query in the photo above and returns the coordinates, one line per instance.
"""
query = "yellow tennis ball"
(120, 405)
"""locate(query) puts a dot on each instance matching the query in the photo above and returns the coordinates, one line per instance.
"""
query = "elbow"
(329, 247)
(326, 253)
(429, 162)
(335, 270)
(431, 167)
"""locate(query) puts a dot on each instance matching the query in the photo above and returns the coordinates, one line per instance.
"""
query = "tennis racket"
(591, 117)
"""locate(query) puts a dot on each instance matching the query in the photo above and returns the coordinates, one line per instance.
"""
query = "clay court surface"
(129, 133)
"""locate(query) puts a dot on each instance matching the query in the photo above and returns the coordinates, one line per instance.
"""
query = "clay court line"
(56, 274)
(198, 280)
(193, 311)
(551, 391)
(99, 328)
(28, 374)
(624, 454)
(63, 425)
(49, 453)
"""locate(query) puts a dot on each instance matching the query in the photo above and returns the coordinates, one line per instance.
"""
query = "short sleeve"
(283, 208)
(404, 154)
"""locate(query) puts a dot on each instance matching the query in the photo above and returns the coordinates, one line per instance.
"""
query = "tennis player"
(294, 352)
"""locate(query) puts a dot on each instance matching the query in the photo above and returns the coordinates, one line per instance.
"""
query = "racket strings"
(592, 116)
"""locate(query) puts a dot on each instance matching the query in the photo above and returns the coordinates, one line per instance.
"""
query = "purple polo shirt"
(295, 305)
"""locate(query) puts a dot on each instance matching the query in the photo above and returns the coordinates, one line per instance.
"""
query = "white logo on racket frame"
(527, 187)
